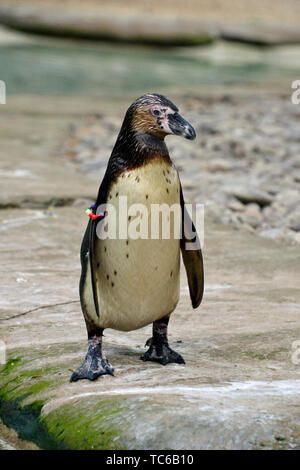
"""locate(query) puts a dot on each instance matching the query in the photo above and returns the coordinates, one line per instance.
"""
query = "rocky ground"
(239, 388)
(244, 166)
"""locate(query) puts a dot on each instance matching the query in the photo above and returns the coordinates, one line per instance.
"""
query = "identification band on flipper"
(90, 211)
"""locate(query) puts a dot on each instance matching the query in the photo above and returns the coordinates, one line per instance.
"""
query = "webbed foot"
(161, 352)
(94, 364)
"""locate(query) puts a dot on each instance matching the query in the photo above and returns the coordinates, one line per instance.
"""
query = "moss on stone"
(10, 365)
(33, 373)
(25, 421)
(18, 384)
(82, 425)
(183, 39)
(264, 355)
(86, 426)
(38, 387)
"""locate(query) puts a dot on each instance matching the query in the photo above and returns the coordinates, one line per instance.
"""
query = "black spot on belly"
(117, 194)
(127, 255)
(167, 190)
(147, 196)
(107, 276)
(127, 242)
(115, 273)
(105, 249)
(112, 284)
(129, 217)
(171, 273)
(98, 264)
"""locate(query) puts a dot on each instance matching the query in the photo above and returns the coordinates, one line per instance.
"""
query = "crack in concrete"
(38, 308)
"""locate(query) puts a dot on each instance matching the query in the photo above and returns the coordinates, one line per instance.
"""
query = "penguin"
(127, 283)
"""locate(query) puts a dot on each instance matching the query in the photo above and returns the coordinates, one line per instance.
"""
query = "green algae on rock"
(24, 392)
(86, 425)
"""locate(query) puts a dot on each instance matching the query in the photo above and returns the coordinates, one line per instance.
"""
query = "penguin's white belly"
(138, 279)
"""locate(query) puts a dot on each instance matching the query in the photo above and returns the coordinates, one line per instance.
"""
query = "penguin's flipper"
(92, 237)
(192, 258)
(87, 257)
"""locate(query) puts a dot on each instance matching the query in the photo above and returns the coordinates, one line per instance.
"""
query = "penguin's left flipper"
(192, 256)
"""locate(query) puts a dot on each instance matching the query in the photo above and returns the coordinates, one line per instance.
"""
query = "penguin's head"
(156, 115)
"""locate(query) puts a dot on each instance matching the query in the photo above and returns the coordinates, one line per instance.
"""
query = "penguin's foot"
(160, 351)
(92, 369)
(94, 364)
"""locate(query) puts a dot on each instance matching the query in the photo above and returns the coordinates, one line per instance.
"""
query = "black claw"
(108, 368)
(180, 360)
(74, 377)
(164, 361)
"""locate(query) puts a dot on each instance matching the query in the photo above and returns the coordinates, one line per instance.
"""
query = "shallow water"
(29, 64)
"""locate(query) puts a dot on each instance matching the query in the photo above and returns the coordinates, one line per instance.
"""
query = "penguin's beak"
(180, 126)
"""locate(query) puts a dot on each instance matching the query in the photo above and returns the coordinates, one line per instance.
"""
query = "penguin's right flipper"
(192, 258)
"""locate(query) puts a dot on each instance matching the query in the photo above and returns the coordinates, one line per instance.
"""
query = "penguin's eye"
(156, 112)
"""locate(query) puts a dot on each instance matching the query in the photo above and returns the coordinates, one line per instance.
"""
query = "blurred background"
(132, 46)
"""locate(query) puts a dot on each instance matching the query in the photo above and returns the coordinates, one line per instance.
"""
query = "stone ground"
(239, 388)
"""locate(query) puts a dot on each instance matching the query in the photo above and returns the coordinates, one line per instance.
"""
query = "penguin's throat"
(138, 148)
(150, 145)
